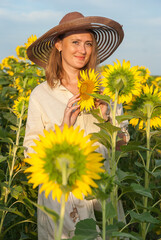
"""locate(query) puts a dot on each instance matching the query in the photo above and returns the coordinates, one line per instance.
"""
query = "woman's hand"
(71, 111)
(122, 141)
(103, 107)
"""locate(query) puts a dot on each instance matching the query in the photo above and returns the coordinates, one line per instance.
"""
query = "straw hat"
(108, 34)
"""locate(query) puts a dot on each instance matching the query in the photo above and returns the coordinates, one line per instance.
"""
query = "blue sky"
(141, 20)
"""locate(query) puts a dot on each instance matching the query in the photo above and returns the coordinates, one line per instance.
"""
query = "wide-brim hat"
(107, 32)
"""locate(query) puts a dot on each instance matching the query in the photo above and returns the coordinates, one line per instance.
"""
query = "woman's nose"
(82, 49)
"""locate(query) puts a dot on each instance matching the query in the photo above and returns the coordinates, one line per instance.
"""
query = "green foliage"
(17, 217)
(125, 181)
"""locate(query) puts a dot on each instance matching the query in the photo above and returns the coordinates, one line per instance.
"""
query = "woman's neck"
(70, 82)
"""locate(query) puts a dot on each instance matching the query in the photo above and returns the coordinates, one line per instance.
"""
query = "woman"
(77, 43)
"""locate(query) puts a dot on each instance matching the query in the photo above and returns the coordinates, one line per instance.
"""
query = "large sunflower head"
(70, 149)
(89, 83)
(124, 79)
(148, 103)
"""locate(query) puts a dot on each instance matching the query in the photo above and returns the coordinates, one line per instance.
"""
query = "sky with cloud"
(141, 20)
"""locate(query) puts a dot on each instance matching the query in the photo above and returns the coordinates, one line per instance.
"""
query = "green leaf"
(11, 210)
(140, 165)
(29, 206)
(102, 97)
(10, 117)
(52, 214)
(119, 155)
(4, 189)
(16, 191)
(3, 133)
(133, 146)
(80, 237)
(12, 127)
(157, 173)
(102, 137)
(141, 190)
(95, 113)
(144, 217)
(127, 175)
(155, 133)
(15, 224)
(138, 114)
(157, 163)
(2, 158)
(4, 82)
(9, 90)
(7, 140)
(158, 139)
(111, 228)
(110, 210)
(127, 235)
(123, 117)
(2, 175)
(108, 127)
(86, 228)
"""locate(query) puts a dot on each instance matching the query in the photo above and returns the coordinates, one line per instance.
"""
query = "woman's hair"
(54, 69)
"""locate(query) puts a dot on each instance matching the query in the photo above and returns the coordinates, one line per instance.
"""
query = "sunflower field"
(135, 168)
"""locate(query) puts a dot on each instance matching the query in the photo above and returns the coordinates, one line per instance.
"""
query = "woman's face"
(76, 50)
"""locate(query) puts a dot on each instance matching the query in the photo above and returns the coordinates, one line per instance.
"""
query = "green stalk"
(146, 178)
(15, 147)
(62, 212)
(113, 165)
(104, 219)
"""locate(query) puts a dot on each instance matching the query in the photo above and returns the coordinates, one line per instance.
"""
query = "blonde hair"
(54, 70)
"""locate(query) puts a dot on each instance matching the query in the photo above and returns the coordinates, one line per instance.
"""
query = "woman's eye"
(89, 44)
(76, 42)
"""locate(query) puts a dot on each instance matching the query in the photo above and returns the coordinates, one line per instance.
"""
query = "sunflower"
(19, 104)
(156, 81)
(70, 148)
(32, 82)
(125, 79)
(31, 39)
(21, 52)
(145, 73)
(88, 83)
(8, 61)
(150, 98)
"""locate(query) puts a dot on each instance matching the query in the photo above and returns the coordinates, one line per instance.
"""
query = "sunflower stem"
(11, 168)
(145, 199)
(62, 211)
(15, 147)
(104, 219)
(113, 166)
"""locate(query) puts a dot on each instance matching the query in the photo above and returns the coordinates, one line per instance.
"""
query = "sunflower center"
(64, 154)
(120, 83)
(86, 88)
(66, 160)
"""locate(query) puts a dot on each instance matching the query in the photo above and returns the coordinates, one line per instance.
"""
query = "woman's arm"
(34, 125)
